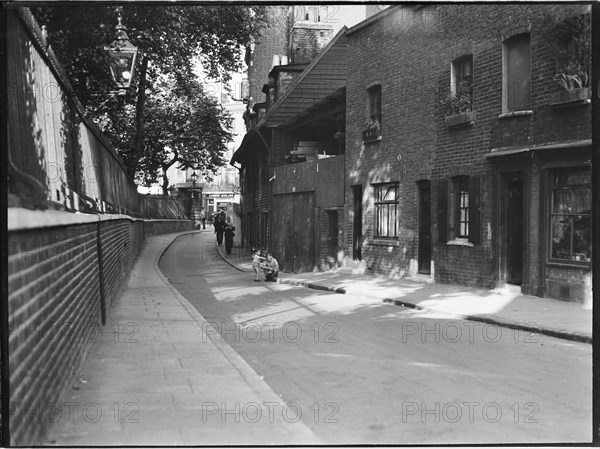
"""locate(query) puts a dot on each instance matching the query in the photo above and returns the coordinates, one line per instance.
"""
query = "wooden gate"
(293, 231)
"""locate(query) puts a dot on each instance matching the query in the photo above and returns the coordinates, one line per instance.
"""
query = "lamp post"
(121, 56)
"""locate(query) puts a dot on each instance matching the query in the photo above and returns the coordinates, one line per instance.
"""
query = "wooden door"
(514, 232)
(425, 227)
(357, 223)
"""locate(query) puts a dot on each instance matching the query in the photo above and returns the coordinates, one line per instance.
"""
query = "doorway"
(357, 223)
(512, 233)
(424, 227)
(332, 234)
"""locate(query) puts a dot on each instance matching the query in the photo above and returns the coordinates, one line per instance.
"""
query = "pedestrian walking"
(271, 268)
(219, 228)
(203, 218)
(229, 233)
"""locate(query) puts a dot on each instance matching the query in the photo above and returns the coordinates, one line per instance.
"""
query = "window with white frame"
(516, 74)
(386, 209)
(461, 208)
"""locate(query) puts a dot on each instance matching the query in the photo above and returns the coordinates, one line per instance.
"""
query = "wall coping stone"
(21, 219)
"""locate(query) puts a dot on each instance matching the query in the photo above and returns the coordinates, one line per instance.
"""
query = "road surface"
(362, 371)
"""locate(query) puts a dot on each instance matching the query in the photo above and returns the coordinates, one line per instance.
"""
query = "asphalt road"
(359, 371)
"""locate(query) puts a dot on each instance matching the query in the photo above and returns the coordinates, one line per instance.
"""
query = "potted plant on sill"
(568, 32)
(458, 105)
(372, 132)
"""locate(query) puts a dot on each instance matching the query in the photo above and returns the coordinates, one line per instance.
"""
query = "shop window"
(386, 209)
(516, 74)
(570, 215)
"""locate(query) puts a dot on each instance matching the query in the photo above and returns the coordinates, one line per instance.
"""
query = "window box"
(579, 95)
(371, 135)
(462, 118)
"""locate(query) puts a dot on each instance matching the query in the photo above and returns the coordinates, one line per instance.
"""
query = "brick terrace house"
(465, 162)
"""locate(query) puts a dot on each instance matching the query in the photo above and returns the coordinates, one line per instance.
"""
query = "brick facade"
(62, 280)
(274, 40)
(419, 45)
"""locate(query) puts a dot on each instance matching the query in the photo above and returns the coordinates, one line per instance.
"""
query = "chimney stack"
(308, 39)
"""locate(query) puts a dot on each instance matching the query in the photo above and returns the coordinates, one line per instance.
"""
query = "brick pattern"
(418, 48)
(308, 39)
(54, 304)
(273, 41)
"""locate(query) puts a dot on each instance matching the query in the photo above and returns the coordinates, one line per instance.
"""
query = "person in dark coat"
(229, 235)
(219, 228)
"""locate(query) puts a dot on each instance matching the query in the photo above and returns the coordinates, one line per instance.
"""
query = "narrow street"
(360, 371)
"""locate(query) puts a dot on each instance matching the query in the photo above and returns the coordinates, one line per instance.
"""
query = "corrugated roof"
(326, 74)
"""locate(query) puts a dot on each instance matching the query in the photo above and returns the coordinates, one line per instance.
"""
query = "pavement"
(503, 307)
(159, 374)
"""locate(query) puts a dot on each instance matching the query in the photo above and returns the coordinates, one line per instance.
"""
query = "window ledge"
(372, 140)
(382, 242)
(515, 114)
(578, 265)
(460, 242)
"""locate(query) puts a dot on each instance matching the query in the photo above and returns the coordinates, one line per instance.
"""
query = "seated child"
(271, 268)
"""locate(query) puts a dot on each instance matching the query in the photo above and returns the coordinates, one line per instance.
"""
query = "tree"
(171, 39)
(182, 126)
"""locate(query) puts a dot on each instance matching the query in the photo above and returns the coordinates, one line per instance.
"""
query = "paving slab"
(158, 375)
(504, 307)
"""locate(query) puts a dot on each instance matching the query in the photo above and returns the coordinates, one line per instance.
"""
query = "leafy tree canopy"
(183, 126)
(171, 41)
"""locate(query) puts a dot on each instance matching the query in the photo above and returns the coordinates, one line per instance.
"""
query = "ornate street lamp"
(194, 177)
(121, 56)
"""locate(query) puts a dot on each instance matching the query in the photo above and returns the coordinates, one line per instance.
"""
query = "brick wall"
(405, 152)
(273, 41)
(308, 39)
(61, 278)
(418, 48)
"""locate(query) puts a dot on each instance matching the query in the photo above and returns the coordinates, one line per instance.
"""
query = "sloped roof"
(330, 102)
(376, 17)
(325, 75)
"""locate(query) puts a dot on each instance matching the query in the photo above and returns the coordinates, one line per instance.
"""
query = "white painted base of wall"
(350, 266)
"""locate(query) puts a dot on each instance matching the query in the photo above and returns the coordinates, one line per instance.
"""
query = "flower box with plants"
(458, 105)
(575, 88)
(568, 33)
(372, 132)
